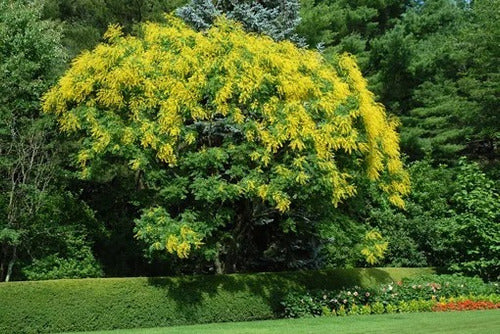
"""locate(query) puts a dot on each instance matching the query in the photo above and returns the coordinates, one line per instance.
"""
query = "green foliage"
(480, 81)
(299, 304)
(414, 306)
(365, 310)
(475, 237)
(422, 89)
(436, 68)
(378, 308)
(59, 241)
(426, 305)
(78, 262)
(403, 307)
(450, 220)
(374, 247)
(98, 304)
(414, 235)
(433, 63)
(347, 26)
(432, 287)
(355, 310)
(326, 312)
(390, 308)
(341, 312)
(342, 235)
(37, 212)
(435, 86)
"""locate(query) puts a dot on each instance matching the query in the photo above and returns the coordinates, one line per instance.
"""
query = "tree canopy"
(228, 120)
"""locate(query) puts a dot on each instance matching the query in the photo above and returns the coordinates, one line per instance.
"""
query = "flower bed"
(466, 305)
(421, 294)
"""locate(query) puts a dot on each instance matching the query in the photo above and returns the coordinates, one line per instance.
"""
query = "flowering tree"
(227, 132)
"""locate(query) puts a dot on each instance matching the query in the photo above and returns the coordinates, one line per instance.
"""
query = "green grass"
(469, 322)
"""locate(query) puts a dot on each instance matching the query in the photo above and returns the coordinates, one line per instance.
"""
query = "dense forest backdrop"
(433, 64)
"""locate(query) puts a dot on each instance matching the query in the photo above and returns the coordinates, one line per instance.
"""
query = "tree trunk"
(219, 266)
(2, 269)
(11, 264)
(236, 255)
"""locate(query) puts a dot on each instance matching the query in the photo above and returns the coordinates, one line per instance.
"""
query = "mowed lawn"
(467, 322)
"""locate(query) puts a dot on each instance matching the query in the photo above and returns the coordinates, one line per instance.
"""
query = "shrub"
(325, 311)
(390, 308)
(403, 307)
(299, 304)
(79, 262)
(414, 306)
(426, 305)
(366, 309)
(378, 308)
(355, 310)
(427, 287)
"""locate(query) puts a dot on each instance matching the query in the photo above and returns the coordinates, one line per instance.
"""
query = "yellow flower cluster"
(374, 247)
(181, 245)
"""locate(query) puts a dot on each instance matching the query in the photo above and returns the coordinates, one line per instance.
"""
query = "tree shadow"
(193, 293)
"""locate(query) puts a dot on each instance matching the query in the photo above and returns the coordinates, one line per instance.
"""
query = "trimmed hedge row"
(112, 303)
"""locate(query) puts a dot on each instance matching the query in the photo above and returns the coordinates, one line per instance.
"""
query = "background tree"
(475, 241)
(30, 56)
(479, 82)
(433, 89)
(277, 19)
(423, 88)
(338, 26)
(231, 136)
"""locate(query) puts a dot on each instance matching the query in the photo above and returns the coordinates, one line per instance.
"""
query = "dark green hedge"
(110, 303)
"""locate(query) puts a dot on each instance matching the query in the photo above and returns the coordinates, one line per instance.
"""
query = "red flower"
(466, 305)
